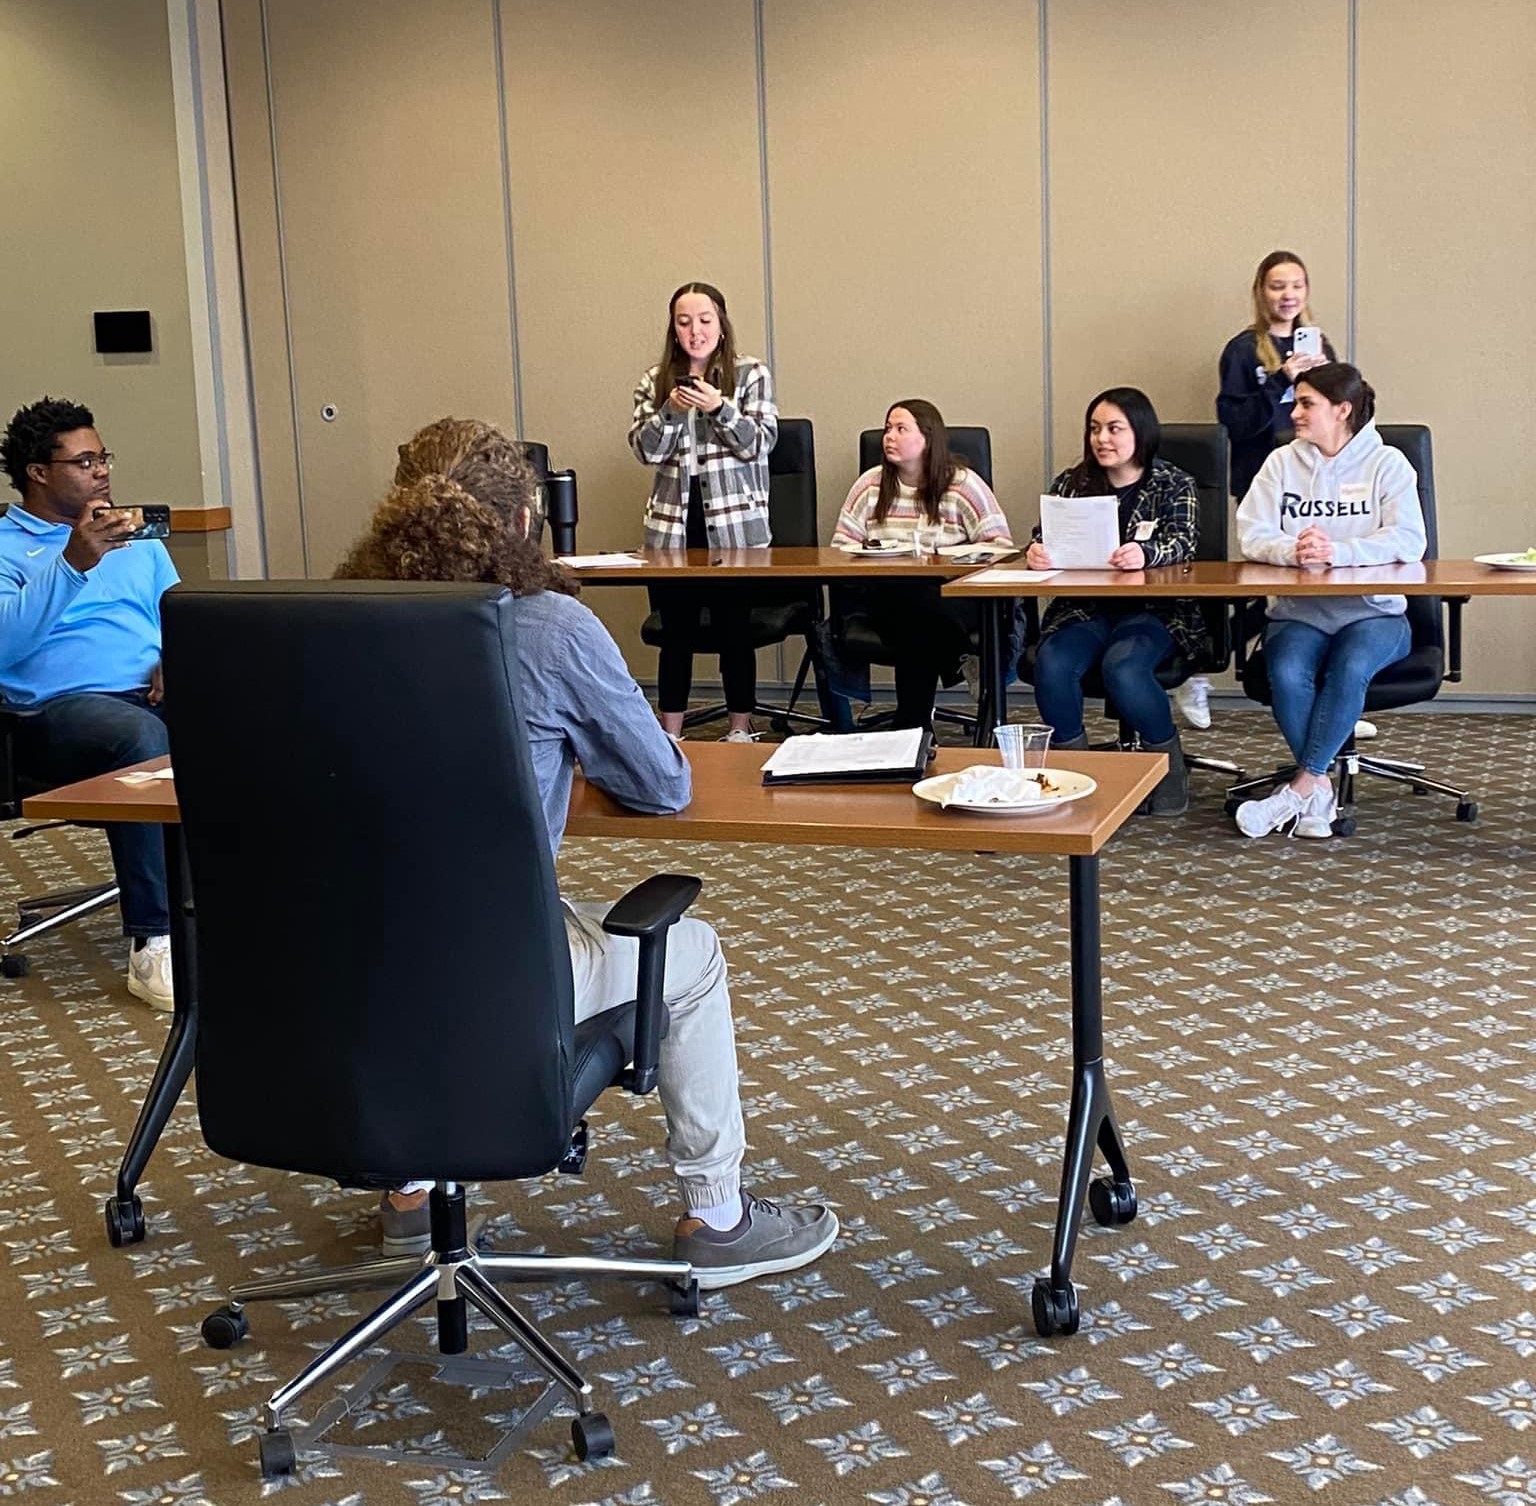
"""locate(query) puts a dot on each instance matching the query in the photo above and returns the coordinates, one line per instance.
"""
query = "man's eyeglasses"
(87, 461)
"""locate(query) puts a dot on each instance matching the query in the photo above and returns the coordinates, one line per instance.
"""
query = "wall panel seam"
(1351, 185)
(761, 64)
(506, 210)
(282, 277)
(1047, 390)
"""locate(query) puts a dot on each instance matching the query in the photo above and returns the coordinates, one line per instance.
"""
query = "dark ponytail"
(1340, 382)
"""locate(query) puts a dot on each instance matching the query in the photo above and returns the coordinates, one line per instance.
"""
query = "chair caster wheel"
(1231, 807)
(14, 965)
(225, 1328)
(1054, 1312)
(125, 1222)
(278, 1456)
(683, 1300)
(1344, 826)
(1467, 810)
(592, 1436)
(1113, 1203)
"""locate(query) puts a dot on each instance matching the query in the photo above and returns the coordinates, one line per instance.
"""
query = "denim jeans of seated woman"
(1317, 680)
(1127, 651)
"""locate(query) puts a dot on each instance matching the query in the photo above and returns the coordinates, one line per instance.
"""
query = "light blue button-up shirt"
(63, 632)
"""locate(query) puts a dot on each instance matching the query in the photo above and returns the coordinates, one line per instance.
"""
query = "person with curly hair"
(80, 647)
(464, 508)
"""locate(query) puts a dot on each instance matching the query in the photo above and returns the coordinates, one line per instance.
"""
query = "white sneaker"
(739, 735)
(149, 973)
(1192, 700)
(1257, 818)
(1321, 812)
(1364, 730)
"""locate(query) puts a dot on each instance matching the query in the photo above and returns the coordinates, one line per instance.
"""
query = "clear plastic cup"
(925, 540)
(1024, 744)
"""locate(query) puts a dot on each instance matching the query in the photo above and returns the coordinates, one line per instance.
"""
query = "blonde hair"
(1269, 356)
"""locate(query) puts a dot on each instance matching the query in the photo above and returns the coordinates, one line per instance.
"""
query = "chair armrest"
(1453, 666)
(647, 913)
(10, 796)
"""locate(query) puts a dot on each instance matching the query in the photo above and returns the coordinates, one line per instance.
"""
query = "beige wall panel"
(88, 165)
(389, 178)
(633, 153)
(250, 134)
(1447, 261)
(1176, 164)
(904, 153)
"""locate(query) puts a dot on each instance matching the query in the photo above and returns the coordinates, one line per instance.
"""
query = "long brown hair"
(453, 514)
(1269, 356)
(939, 466)
(673, 365)
(1340, 382)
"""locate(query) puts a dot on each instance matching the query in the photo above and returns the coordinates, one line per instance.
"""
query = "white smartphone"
(1308, 341)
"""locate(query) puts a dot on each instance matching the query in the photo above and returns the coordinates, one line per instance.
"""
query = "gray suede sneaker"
(769, 1238)
(405, 1223)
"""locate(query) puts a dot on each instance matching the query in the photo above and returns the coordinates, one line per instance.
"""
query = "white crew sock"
(723, 1216)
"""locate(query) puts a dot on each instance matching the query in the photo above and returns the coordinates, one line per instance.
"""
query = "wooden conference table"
(1455, 580)
(731, 804)
(807, 564)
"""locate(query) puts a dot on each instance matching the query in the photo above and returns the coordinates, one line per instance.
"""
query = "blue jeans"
(1127, 651)
(1317, 680)
(80, 736)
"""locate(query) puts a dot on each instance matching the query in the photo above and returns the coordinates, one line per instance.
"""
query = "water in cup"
(1024, 744)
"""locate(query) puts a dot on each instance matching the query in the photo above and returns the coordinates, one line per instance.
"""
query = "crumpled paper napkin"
(988, 786)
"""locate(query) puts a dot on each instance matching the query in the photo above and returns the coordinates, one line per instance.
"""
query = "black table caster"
(1055, 1312)
(125, 1221)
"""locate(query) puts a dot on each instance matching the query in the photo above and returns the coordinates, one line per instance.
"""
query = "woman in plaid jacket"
(1125, 640)
(705, 420)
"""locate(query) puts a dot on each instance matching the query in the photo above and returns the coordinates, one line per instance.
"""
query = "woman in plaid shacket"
(705, 420)
(1124, 640)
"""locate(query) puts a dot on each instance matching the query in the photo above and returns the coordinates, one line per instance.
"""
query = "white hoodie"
(1366, 498)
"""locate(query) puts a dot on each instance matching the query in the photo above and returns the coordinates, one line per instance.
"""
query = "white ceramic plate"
(1505, 561)
(889, 551)
(1071, 786)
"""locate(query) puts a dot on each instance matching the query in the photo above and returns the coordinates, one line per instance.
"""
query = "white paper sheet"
(1080, 533)
(1003, 575)
(145, 776)
(597, 561)
(846, 753)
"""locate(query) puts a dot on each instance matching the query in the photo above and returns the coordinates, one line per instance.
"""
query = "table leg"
(996, 613)
(124, 1210)
(1090, 1121)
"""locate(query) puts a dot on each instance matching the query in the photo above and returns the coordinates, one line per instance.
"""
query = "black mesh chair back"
(970, 442)
(354, 776)
(1201, 450)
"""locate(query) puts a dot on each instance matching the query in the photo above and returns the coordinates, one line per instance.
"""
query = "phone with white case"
(1308, 341)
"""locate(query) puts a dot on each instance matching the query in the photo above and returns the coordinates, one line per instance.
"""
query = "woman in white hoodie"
(1336, 496)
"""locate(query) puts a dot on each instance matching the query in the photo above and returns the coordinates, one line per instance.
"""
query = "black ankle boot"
(1171, 797)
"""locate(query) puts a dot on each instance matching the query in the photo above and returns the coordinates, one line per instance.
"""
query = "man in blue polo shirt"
(80, 646)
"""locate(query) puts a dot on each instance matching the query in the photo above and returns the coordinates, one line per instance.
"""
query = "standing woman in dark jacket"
(705, 420)
(1125, 640)
(1259, 367)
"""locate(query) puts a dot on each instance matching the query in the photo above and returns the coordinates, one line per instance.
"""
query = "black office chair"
(1415, 678)
(853, 630)
(779, 613)
(1201, 450)
(394, 797)
(37, 914)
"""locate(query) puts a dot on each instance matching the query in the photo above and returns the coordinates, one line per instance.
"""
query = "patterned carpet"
(1324, 1056)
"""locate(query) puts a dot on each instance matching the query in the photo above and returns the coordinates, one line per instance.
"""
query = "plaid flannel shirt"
(727, 450)
(1167, 499)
